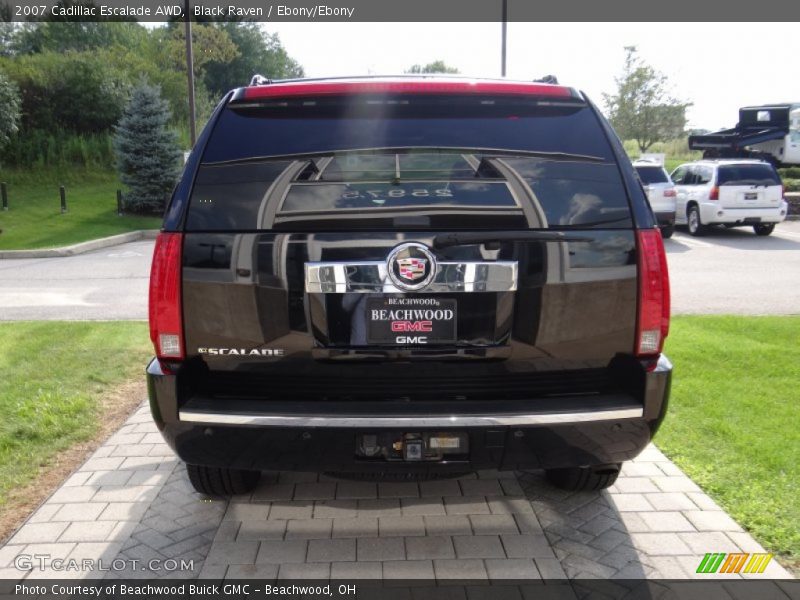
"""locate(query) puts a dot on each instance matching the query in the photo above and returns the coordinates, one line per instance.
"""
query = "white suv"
(730, 192)
(660, 193)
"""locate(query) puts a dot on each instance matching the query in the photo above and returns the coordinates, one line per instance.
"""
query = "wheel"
(667, 231)
(764, 228)
(215, 481)
(584, 479)
(693, 222)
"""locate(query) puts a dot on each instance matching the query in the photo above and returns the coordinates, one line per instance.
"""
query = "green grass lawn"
(733, 423)
(34, 218)
(52, 375)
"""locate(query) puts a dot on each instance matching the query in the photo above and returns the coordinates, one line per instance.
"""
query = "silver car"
(733, 192)
(660, 193)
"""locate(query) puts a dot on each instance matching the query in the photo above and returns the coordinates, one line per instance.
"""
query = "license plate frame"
(408, 321)
(751, 195)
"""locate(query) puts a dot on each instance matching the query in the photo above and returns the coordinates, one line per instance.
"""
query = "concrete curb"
(114, 240)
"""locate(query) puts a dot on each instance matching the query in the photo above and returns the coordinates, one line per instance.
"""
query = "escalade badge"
(411, 266)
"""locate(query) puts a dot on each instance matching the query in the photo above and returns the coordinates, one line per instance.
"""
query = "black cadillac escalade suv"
(408, 276)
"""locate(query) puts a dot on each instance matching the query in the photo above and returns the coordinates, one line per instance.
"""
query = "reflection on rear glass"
(322, 197)
(575, 193)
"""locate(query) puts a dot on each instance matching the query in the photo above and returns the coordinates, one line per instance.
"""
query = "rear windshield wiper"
(559, 156)
(583, 224)
(445, 240)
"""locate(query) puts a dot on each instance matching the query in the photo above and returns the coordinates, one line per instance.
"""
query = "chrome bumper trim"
(373, 277)
(394, 422)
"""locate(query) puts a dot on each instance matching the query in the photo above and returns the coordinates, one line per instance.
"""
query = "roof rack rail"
(259, 80)
(547, 79)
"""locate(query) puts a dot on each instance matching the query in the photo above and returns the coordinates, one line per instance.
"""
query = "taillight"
(652, 324)
(670, 193)
(714, 194)
(166, 324)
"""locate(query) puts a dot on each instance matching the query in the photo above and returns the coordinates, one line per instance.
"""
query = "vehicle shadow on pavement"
(590, 540)
(675, 246)
(483, 526)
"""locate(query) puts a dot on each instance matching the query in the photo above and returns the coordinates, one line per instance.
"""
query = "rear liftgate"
(410, 303)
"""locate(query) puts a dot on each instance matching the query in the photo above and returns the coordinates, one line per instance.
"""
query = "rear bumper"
(315, 436)
(710, 214)
(665, 218)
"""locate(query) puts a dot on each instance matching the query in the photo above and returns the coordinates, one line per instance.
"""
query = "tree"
(146, 150)
(9, 109)
(6, 29)
(59, 36)
(211, 45)
(259, 52)
(437, 66)
(643, 109)
(74, 91)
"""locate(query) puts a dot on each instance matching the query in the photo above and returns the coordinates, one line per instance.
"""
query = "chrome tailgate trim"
(373, 277)
(368, 421)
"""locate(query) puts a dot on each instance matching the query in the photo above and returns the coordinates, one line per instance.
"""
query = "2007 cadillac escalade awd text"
(408, 276)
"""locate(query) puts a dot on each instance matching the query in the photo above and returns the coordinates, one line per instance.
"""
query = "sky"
(716, 66)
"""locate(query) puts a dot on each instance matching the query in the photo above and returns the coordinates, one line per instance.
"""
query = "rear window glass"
(748, 174)
(650, 175)
(283, 167)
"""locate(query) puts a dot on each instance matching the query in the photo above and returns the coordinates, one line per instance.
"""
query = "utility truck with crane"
(770, 132)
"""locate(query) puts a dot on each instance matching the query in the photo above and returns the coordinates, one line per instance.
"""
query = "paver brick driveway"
(132, 500)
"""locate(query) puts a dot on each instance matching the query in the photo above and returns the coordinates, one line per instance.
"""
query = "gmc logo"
(412, 339)
(400, 326)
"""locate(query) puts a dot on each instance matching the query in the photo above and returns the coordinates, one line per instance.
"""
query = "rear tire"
(693, 222)
(667, 231)
(764, 228)
(215, 481)
(584, 479)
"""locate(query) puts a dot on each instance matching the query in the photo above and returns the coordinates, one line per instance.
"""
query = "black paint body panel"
(574, 307)
(333, 449)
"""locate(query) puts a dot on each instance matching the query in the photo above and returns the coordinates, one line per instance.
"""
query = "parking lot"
(734, 271)
(728, 271)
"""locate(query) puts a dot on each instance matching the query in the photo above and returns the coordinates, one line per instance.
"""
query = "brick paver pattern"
(132, 500)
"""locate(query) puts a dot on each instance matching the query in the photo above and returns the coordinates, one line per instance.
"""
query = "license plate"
(411, 321)
(751, 196)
